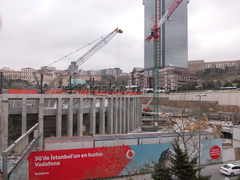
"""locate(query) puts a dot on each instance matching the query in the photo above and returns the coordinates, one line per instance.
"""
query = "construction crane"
(103, 41)
(154, 34)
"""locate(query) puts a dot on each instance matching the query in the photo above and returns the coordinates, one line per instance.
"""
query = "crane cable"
(118, 51)
(75, 51)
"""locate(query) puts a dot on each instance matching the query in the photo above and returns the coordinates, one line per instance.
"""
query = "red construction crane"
(165, 17)
(155, 35)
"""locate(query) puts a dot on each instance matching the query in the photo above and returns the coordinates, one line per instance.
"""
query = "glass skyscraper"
(173, 36)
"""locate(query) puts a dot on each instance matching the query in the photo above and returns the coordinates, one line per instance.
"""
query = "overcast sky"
(38, 33)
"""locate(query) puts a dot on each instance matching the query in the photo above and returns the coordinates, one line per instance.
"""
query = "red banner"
(79, 163)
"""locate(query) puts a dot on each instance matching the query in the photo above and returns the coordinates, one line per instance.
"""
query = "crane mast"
(100, 44)
(154, 34)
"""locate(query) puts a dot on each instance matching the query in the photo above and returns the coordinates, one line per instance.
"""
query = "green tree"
(218, 84)
(228, 84)
(208, 85)
(182, 166)
(161, 172)
(191, 85)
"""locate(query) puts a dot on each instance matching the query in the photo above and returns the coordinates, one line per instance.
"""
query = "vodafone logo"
(130, 154)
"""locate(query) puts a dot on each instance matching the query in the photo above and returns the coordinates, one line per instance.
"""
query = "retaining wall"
(214, 101)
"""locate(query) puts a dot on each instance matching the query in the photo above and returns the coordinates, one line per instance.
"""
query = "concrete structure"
(200, 65)
(112, 114)
(136, 77)
(110, 71)
(173, 45)
(117, 71)
(73, 67)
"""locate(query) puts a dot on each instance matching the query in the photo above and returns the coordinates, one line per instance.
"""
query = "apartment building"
(201, 65)
(136, 77)
(27, 74)
(171, 78)
(11, 75)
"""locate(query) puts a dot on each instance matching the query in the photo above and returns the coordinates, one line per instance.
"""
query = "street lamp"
(199, 133)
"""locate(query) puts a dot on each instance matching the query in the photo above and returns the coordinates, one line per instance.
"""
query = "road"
(214, 171)
(208, 170)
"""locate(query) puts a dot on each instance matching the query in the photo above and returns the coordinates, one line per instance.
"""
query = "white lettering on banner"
(41, 173)
(49, 163)
(52, 157)
(41, 158)
(95, 154)
(83, 155)
(71, 156)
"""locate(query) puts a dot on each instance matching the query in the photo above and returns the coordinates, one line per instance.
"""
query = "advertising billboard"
(103, 162)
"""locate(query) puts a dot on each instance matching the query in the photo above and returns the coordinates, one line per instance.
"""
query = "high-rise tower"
(173, 41)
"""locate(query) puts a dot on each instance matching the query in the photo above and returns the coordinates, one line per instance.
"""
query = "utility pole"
(1, 82)
(199, 133)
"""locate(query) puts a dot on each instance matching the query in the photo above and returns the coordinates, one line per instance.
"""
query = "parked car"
(147, 90)
(230, 169)
(160, 90)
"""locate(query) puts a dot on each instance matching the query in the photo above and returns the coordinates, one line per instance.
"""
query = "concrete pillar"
(59, 118)
(93, 116)
(110, 116)
(80, 117)
(127, 114)
(3, 123)
(40, 121)
(135, 113)
(139, 112)
(102, 116)
(131, 114)
(120, 116)
(115, 115)
(124, 108)
(70, 117)
(24, 115)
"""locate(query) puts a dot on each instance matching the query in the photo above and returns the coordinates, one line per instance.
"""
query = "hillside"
(229, 76)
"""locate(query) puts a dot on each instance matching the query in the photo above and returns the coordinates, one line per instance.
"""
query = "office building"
(173, 36)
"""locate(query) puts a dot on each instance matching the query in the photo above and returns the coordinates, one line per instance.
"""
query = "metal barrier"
(7, 172)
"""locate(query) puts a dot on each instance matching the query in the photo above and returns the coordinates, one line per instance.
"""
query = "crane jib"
(174, 5)
(101, 43)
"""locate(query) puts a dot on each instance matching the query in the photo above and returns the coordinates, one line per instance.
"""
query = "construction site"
(96, 132)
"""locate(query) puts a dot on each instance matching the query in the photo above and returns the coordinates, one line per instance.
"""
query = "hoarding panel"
(236, 132)
(78, 163)
(103, 162)
(154, 140)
